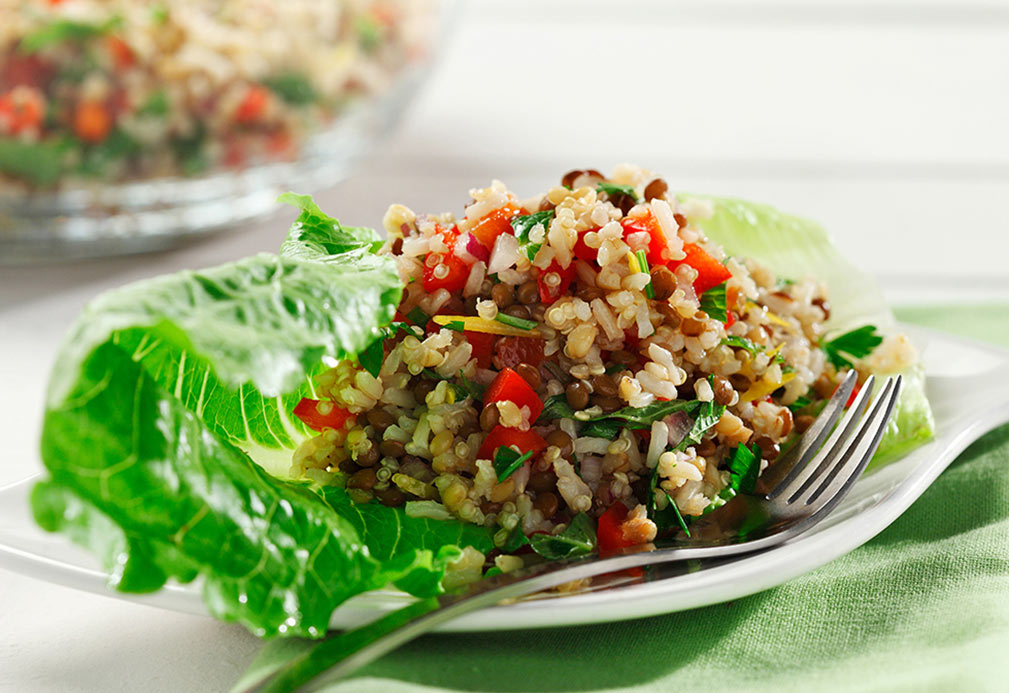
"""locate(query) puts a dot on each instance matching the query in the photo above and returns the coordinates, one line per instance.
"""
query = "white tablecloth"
(884, 121)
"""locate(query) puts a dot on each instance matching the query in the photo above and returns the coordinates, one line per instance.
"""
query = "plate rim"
(735, 579)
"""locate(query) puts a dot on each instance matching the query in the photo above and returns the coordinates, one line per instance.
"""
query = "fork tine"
(812, 439)
(847, 471)
(824, 458)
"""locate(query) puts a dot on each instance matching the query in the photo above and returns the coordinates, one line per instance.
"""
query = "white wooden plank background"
(884, 121)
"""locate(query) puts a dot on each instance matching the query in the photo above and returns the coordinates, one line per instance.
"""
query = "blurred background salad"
(116, 113)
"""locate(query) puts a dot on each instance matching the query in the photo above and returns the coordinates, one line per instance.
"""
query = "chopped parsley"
(155, 105)
(670, 517)
(523, 226)
(66, 31)
(714, 304)
(615, 190)
(507, 461)
(744, 468)
(292, 87)
(743, 343)
(556, 407)
(800, 403)
(418, 317)
(856, 344)
(578, 539)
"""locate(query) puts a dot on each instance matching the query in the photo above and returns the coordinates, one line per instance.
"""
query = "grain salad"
(586, 355)
(116, 90)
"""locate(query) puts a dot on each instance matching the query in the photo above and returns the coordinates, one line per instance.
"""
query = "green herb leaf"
(723, 497)
(520, 323)
(66, 31)
(524, 224)
(609, 425)
(578, 539)
(507, 461)
(556, 407)
(515, 541)
(744, 468)
(155, 105)
(713, 303)
(615, 190)
(670, 517)
(455, 325)
(707, 416)
(372, 356)
(292, 87)
(743, 343)
(418, 317)
(856, 344)
(800, 403)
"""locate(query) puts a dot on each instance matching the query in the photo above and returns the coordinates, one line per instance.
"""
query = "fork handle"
(340, 655)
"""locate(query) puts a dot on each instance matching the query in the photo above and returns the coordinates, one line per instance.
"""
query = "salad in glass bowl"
(125, 125)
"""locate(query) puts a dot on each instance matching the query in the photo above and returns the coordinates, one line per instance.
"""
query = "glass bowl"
(82, 219)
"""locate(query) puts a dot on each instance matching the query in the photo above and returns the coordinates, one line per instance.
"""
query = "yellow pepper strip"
(762, 388)
(776, 319)
(774, 352)
(632, 263)
(472, 323)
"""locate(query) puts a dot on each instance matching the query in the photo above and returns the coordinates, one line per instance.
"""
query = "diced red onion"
(470, 250)
(679, 424)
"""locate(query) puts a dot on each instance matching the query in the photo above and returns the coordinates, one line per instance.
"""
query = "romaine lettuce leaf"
(168, 406)
(793, 248)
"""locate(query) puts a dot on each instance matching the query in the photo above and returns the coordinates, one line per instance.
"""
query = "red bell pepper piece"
(494, 224)
(21, 110)
(658, 246)
(710, 272)
(526, 441)
(252, 107)
(509, 385)
(609, 535)
(582, 251)
(334, 417)
(551, 292)
(483, 347)
(454, 276)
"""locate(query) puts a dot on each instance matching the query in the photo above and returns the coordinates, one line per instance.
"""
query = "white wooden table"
(885, 121)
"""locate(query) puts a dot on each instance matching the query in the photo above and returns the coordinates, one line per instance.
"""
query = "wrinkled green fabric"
(922, 607)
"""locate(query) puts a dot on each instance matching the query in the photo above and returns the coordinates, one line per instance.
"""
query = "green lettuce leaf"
(796, 247)
(167, 436)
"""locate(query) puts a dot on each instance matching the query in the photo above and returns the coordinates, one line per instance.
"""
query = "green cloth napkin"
(923, 606)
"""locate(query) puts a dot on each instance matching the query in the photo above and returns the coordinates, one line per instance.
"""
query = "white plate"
(968, 385)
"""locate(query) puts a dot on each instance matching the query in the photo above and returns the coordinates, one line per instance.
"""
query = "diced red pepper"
(710, 272)
(121, 52)
(509, 385)
(92, 121)
(658, 247)
(609, 534)
(453, 276)
(582, 250)
(494, 224)
(526, 441)
(253, 104)
(551, 292)
(334, 417)
(483, 347)
(511, 351)
(21, 110)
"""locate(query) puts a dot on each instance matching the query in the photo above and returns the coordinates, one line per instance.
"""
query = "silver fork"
(799, 490)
